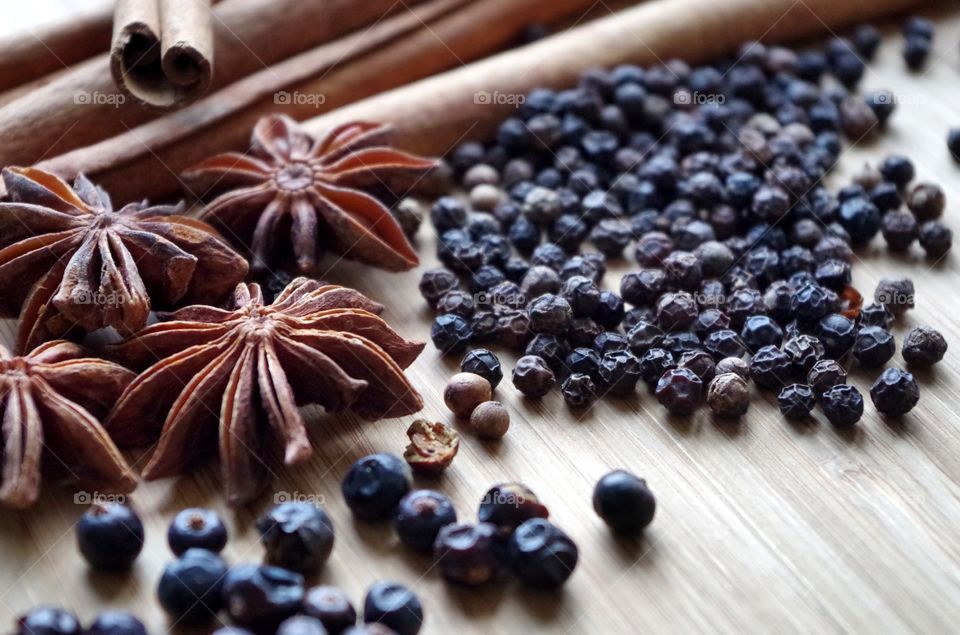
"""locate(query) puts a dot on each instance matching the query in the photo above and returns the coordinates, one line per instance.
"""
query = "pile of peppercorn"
(713, 177)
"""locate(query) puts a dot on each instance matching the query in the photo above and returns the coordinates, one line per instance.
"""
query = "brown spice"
(70, 260)
(490, 420)
(432, 446)
(312, 187)
(236, 376)
(52, 400)
(466, 391)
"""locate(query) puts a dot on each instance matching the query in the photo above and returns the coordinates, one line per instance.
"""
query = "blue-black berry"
(110, 536)
(420, 516)
(796, 401)
(542, 555)
(624, 502)
(259, 598)
(296, 536)
(375, 484)
(48, 620)
(116, 623)
(191, 586)
(331, 606)
(395, 606)
(200, 528)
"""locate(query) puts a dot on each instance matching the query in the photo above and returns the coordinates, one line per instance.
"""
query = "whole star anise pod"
(68, 259)
(294, 193)
(234, 377)
(51, 401)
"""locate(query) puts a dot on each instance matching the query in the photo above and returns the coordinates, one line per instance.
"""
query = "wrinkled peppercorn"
(450, 333)
(874, 346)
(923, 347)
(895, 392)
(842, 404)
(771, 368)
(734, 365)
(549, 314)
(837, 333)
(935, 238)
(680, 391)
(436, 282)
(826, 374)
(618, 372)
(532, 376)
(578, 390)
(483, 362)
(796, 401)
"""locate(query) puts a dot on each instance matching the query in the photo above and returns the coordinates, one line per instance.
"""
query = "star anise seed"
(294, 193)
(51, 401)
(234, 378)
(69, 260)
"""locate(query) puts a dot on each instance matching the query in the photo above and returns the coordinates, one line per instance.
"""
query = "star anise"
(235, 377)
(296, 193)
(51, 401)
(67, 259)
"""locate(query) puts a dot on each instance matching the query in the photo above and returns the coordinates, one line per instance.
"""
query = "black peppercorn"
(680, 391)
(796, 401)
(436, 282)
(539, 280)
(456, 302)
(701, 363)
(826, 374)
(935, 238)
(610, 311)
(450, 333)
(578, 390)
(759, 331)
(804, 351)
(532, 376)
(926, 201)
(724, 343)
(483, 362)
(899, 229)
(582, 294)
(842, 404)
(548, 347)
(583, 332)
(513, 329)
(874, 346)
(448, 213)
(549, 314)
(923, 347)
(654, 363)
(676, 310)
(619, 372)
(771, 368)
(895, 392)
(837, 333)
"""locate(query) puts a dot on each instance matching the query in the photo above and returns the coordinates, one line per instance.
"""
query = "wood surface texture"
(761, 527)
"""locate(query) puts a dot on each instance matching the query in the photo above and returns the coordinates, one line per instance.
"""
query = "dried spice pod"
(52, 400)
(69, 260)
(312, 189)
(235, 377)
(432, 446)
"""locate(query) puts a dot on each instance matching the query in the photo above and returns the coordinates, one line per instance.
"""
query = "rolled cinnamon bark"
(432, 115)
(84, 106)
(162, 53)
(51, 47)
(436, 36)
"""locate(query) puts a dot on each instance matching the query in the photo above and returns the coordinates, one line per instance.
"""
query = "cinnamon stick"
(84, 106)
(694, 30)
(51, 47)
(162, 53)
(442, 34)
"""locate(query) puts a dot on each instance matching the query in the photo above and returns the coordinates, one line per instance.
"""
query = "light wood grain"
(760, 527)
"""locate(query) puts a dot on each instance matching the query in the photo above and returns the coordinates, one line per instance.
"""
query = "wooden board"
(760, 527)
